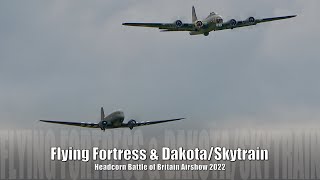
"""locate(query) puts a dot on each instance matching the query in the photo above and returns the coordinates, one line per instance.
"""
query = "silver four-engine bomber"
(214, 22)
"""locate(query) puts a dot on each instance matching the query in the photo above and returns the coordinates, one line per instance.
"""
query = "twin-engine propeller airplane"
(214, 22)
(113, 120)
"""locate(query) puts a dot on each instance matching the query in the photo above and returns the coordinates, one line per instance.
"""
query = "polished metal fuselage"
(211, 23)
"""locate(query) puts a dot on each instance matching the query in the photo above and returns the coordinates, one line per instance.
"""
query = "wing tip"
(291, 16)
(127, 24)
(46, 121)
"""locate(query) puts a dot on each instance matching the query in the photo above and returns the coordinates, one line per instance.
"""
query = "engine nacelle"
(251, 20)
(132, 123)
(178, 23)
(199, 24)
(103, 125)
(233, 22)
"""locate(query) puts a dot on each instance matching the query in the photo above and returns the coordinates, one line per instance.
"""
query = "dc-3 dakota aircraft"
(113, 120)
(214, 22)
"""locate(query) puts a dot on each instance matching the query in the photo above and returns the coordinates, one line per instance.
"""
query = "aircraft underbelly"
(210, 28)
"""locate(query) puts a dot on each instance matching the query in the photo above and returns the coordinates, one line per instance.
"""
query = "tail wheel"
(206, 34)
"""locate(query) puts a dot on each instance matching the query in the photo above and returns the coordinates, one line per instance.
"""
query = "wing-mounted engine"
(251, 20)
(178, 23)
(233, 23)
(199, 24)
(104, 124)
(132, 123)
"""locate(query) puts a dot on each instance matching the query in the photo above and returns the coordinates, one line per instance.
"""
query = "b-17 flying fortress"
(214, 22)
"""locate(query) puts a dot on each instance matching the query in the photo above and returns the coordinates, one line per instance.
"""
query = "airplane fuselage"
(211, 23)
(113, 120)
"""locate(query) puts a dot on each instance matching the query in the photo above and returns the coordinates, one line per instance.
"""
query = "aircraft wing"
(81, 124)
(151, 122)
(227, 25)
(275, 18)
(164, 26)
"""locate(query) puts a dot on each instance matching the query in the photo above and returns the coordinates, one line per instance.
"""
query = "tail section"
(102, 114)
(194, 15)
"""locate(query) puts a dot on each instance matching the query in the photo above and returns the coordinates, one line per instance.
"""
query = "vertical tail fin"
(194, 15)
(102, 114)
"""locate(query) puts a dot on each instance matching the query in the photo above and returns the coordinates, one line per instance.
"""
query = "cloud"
(63, 60)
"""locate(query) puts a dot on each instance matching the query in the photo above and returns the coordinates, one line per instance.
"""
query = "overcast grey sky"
(64, 59)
